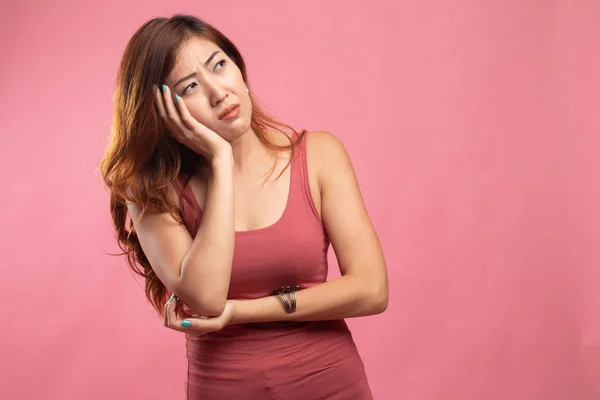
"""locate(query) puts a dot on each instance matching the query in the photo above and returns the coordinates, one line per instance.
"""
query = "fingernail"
(176, 98)
(171, 298)
(164, 88)
(154, 88)
(186, 324)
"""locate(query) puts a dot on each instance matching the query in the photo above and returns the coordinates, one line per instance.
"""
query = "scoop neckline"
(285, 210)
(266, 228)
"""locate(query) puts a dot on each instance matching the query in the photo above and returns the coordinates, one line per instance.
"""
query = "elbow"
(208, 307)
(378, 298)
(208, 303)
(381, 305)
(202, 302)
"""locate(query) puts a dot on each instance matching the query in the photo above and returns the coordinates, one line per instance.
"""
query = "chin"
(235, 132)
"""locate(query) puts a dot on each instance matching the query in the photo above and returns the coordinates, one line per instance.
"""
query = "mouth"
(230, 112)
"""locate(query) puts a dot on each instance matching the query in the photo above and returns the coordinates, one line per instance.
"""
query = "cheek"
(245, 100)
(198, 111)
(248, 110)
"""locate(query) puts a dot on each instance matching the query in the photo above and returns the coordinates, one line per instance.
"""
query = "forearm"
(206, 268)
(344, 297)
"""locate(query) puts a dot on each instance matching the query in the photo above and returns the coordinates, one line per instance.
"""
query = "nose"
(216, 92)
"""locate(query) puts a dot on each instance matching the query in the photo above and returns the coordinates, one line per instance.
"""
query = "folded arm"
(363, 287)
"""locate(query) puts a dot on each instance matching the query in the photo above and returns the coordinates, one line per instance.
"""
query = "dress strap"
(299, 175)
(190, 209)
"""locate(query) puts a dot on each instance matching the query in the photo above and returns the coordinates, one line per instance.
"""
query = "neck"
(248, 151)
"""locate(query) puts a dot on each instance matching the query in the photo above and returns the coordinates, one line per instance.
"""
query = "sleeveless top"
(290, 360)
(292, 251)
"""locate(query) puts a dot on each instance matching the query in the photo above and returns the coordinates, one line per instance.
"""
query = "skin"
(233, 146)
(216, 82)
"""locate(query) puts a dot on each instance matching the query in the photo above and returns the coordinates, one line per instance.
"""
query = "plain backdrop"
(473, 128)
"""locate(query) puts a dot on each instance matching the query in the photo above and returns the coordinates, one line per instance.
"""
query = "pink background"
(473, 127)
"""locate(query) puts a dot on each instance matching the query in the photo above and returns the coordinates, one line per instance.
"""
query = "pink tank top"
(292, 251)
(276, 360)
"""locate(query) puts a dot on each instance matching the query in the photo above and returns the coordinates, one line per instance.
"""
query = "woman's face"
(209, 81)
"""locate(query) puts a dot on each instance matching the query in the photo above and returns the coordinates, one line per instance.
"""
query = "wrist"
(224, 158)
(235, 313)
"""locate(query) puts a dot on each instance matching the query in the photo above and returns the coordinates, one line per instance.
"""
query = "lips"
(228, 110)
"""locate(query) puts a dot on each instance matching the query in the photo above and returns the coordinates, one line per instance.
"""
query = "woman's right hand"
(186, 129)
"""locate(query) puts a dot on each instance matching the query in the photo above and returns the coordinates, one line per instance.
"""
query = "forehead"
(192, 54)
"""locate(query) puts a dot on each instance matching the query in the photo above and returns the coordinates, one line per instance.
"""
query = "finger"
(160, 104)
(171, 312)
(186, 118)
(186, 308)
(172, 113)
(189, 325)
(180, 310)
(193, 324)
(182, 313)
(199, 324)
(175, 319)
(166, 312)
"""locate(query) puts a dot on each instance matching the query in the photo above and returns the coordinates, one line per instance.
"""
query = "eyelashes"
(189, 87)
(222, 62)
(194, 84)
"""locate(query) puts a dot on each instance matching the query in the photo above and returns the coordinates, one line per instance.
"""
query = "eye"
(189, 87)
(221, 63)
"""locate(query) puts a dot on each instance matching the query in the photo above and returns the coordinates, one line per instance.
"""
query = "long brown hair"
(142, 160)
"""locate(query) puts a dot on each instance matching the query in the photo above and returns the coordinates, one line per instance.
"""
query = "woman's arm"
(197, 271)
(206, 267)
(363, 288)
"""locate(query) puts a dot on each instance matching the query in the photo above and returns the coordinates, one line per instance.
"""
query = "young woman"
(230, 220)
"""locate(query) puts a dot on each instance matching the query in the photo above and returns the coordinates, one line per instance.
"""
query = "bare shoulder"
(323, 142)
(326, 154)
(135, 209)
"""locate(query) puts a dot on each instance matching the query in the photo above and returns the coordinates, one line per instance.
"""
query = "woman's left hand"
(180, 320)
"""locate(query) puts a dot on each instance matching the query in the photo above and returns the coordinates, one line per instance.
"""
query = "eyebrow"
(185, 78)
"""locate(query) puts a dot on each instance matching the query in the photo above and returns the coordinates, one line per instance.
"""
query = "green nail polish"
(164, 88)
(186, 324)
(176, 98)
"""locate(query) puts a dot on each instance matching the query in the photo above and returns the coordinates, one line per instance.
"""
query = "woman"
(233, 217)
